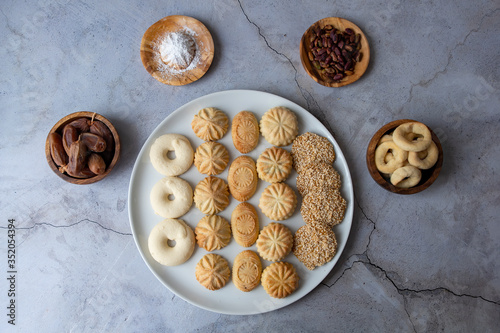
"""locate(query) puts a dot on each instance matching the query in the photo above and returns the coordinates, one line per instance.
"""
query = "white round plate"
(181, 279)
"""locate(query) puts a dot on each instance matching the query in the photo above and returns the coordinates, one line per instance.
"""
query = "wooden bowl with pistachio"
(334, 52)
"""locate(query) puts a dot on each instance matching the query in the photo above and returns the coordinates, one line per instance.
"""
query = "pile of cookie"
(279, 126)
(322, 206)
(171, 228)
(402, 154)
(312, 156)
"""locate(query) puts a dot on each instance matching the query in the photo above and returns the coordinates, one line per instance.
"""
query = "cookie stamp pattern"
(279, 126)
(210, 124)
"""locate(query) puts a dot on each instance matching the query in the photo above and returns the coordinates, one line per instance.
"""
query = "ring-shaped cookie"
(425, 159)
(420, 142)
(176, 143)
(171, 230)
(406, 177)
(388, 165)
(385, 138)
(162, 193)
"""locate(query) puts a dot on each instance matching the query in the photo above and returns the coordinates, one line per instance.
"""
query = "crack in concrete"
(69, 226)
(12, 30)
(372, 222)
(364, 259)
(428, 290)
(307, 96)
(425, 83)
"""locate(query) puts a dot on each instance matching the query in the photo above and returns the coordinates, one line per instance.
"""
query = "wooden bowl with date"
(428, 176)
(108, 153)
(324, 67)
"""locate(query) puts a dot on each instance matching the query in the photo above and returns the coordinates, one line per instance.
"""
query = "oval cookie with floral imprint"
(245, 224)
(245, 132)
(242, 178)
(247, 270)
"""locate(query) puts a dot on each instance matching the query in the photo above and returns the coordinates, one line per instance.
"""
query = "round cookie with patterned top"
(212, 271)
(211, 195)
(275, 242)
(279, 126)
(211, 158)
(280, 279)
(210, 124)
(213, 232)
(274, 165)
(278, 201)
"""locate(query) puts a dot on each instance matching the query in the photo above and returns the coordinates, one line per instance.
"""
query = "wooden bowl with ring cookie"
(334, 52)
(177, 50)
(404, 156)
(82, 148)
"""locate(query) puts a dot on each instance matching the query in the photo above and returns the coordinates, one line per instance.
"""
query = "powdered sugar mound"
(178, 49)
(176, 52)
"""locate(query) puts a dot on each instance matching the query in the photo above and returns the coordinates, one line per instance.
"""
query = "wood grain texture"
(57, 128)
(175, 23)
(340, 24)
(428, 176)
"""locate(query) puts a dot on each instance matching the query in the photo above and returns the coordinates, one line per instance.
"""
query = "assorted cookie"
(323, 207)
(275, 242)
(212, 271)
(327, 207)
(162, 237)
(211, 195)
(245, 224)
(210, 124)
(171, 197)
(213, 232)
(278, 201)
(247, 270)
(314, 244)
(279, 126)
(211, 158)
(171, 143)
(274, 165)
(280, 279)
(401, 155)
(311, 148)
(245, 132)
(319, 176)
(242, 178)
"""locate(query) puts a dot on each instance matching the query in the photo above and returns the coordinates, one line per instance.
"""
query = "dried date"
(93, 142)
(70, 135)
(57, 150)
(99, 128)
(81, 124)
(96, 164)
(77, 160)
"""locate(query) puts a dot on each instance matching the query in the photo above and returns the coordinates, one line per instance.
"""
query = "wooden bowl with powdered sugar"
(177, 50)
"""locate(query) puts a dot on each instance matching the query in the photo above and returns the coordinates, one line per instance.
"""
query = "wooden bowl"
(58, 128)
(151, 58)
(319, 75)
(428, 176)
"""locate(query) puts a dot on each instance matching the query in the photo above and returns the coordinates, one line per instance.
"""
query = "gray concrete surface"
(422, 263)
